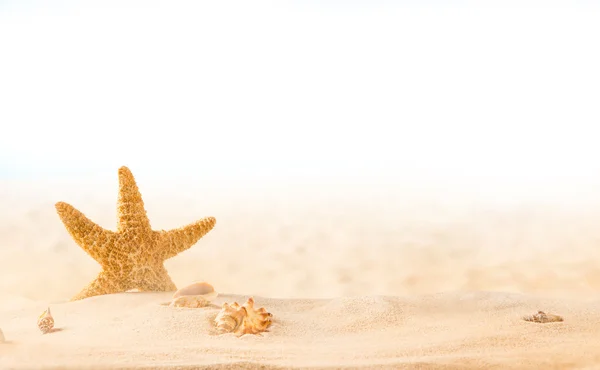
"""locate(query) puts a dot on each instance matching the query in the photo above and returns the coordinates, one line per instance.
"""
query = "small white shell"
(46, 321)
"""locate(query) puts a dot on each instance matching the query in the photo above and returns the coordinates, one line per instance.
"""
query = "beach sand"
(358, 280)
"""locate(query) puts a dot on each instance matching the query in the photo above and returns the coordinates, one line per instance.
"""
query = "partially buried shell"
(46, 321)
(542, 317)
(190, 301)
(195, 295)
(242, 319)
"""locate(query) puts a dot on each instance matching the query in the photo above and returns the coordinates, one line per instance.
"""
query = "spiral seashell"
(46, 321)
(542, 317)
(230, 318)
(242, 319)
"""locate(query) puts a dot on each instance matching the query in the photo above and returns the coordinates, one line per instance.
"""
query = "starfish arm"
(103, 284)
(130, 206)
(176, 241)
(91, 237)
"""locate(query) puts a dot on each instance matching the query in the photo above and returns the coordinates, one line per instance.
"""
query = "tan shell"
(195, 295)
(199, 288)
(46, 321)
(190, 301)
(2, 339)
(242, 319)
(542, 317)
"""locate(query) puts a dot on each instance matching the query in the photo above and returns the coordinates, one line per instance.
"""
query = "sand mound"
(450, 330)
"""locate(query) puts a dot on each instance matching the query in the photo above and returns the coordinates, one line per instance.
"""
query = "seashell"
(230, 318)
(197, 289)
(542, 317)
(46, 321)
(195, 295)
(242, 319)
(2, 339)
(190, 301)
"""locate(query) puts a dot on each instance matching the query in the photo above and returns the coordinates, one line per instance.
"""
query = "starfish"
(133, 256)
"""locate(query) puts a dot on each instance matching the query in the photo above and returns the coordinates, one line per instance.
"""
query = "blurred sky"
(502, 94)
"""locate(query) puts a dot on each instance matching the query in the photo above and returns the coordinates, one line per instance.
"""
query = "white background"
(504, 95)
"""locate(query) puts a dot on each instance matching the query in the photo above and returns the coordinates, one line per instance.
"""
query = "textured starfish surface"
(133, 256)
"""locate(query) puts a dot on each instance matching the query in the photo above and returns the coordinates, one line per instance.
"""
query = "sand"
(448, 330)
(371, 281)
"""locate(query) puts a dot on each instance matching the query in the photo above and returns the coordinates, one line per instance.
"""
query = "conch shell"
(195, 295)
(46, 321)
(542, 317)
(242, 319)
